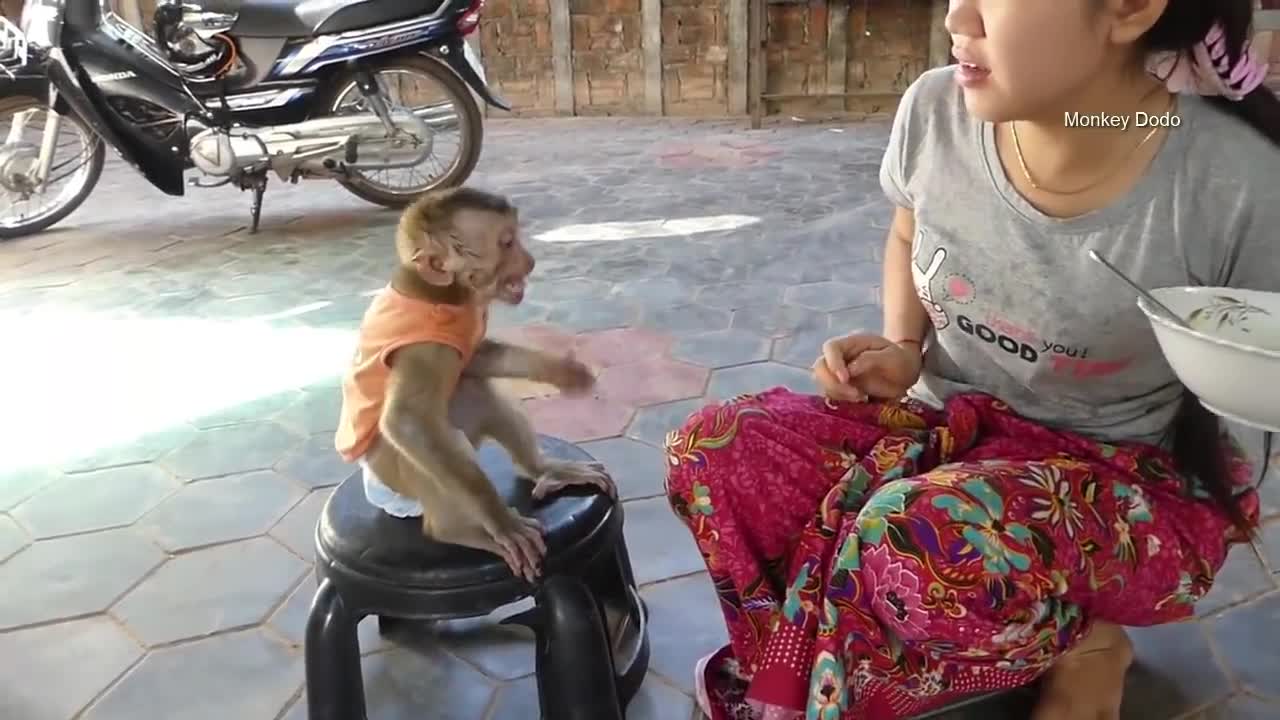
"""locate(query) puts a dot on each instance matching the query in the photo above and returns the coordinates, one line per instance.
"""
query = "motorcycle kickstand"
(258, 184)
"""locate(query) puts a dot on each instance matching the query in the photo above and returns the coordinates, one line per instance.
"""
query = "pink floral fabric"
(875, 561)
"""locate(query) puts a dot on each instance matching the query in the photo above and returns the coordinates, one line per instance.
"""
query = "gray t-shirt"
(1019, 309)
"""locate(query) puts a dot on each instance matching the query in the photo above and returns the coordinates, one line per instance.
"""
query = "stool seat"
(363, 539)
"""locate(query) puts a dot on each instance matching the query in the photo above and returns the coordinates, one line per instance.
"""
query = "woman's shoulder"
(932, 115)
(933, 93)
(935, 82)
(1230, 177)
(1227, 153)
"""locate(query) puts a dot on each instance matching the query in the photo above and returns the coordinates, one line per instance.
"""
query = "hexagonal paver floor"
(607, 348)
(99, 500)
(650, 382)
(578, 419)
(223, 509)
(12, 538)
(240, 583)
(155, 557)
(757, 377)
(721, 348)
(55, 670)
(73, 576)
(244, 674)
(232, 449)
(828, 295)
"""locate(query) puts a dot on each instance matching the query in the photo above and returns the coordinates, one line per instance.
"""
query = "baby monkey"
(419, 397)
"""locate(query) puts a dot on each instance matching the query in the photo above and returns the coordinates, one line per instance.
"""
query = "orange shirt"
(392, 321)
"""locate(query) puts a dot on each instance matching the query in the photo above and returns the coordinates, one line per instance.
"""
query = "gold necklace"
(1022, 163)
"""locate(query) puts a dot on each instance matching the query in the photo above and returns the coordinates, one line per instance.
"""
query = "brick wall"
(889, 45)
(695, 55)
(608, 62)
(886, 47)
(796, 49)
(515, 37)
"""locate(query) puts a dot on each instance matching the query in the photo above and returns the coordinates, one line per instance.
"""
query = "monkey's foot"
(516, 539)
(559, 474)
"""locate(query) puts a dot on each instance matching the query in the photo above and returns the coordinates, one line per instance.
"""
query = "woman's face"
(1029, 59)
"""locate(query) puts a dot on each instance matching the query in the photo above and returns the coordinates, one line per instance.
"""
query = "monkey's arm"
(415, 421)
(495, 359)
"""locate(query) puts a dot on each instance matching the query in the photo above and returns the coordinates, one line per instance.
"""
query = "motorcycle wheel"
(84, 174)
(346, 94)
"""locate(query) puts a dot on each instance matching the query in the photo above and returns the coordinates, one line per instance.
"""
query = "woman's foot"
(1087, 683)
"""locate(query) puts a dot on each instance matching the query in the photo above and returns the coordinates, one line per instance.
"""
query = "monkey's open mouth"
(512, 290)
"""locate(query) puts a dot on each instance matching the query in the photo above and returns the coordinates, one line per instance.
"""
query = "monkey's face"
(501, 267)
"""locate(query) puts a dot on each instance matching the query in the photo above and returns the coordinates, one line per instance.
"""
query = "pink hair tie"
(1207, 70)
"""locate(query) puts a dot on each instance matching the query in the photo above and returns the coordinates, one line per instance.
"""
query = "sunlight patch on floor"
(631, 230)
(77, 382)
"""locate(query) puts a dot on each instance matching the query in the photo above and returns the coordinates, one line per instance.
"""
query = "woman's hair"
(1198, 446)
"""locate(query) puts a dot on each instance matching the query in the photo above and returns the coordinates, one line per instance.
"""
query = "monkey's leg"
(462, 510)
(445, 518)
(493, 416)
(507, 424)
(438, 519)
(470, 409)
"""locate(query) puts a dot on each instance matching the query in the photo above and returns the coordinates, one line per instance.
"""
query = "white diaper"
(388, 500)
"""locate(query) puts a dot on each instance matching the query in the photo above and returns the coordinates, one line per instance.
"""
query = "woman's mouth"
(971, 75)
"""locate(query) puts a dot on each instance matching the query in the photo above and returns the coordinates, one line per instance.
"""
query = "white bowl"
(1230, 358)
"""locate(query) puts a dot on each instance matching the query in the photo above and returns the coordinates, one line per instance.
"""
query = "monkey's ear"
(432, 267)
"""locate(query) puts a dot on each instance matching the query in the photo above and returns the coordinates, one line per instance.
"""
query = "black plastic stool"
(370, 563)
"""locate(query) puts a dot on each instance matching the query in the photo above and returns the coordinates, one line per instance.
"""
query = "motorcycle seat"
(308, 18)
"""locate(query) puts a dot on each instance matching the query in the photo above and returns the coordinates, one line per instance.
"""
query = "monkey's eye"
(506, 239)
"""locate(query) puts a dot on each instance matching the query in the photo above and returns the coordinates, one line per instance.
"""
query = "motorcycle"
(237, 90)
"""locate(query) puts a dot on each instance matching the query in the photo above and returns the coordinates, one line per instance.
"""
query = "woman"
(876, 559)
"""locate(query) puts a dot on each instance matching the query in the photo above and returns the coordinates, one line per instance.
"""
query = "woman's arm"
(904, 315)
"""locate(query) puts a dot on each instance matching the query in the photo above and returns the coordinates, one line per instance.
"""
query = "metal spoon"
(1159, 306)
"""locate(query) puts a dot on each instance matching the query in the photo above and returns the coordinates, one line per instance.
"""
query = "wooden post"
(739, 37)
(939, 38)
(837, 46)
(651, 42)
(758, 28)
(562, 56)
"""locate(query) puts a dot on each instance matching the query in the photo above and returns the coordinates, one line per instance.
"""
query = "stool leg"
(387, 625)
(335, 685)
(611, 577)
(573, 661)
(612, 581)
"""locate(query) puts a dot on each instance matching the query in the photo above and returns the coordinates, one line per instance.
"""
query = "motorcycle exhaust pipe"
(439, 117)
(423, 131)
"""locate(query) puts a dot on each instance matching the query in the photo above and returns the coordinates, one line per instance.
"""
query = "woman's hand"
(856, 367)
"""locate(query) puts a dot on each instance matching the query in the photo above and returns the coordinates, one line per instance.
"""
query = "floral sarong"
(874, 561)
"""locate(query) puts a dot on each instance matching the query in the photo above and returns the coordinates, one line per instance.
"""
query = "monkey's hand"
(559, 474)
(567, 374)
